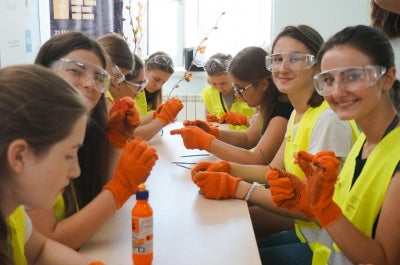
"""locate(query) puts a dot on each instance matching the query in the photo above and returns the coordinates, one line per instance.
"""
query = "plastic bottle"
(142, 228)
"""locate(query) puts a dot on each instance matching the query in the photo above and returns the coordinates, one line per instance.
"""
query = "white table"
(188, 228)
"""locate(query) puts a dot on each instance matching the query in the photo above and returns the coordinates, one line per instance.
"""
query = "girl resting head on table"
(109, 175)
(43, 122)
(356, 209)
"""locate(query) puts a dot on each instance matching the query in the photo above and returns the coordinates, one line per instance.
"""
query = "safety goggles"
(294, 61)
(347, 78)
(216, 66)
(80, 72)
(162, 60)
(117, 77)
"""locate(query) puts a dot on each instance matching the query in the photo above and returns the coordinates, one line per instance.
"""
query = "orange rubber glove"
(123, 119)
(158, 110)
(321, 186)
(234, 118)
(288, 191)
(194, 137)
(211, 117)
(169, 111)
(133, 168)
(96, 263)
(219, 166)
(216, 185)
(208, 128)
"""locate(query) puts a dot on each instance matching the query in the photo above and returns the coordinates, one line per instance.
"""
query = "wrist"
(252, 188)
(242, 189)
(329, 214)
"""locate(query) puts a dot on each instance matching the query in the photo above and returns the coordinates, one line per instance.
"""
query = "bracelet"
(245, 195)
(251, 190)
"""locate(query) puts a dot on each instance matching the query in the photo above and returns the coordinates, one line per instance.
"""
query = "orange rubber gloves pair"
(197, 134)
(123, 119)
(168, 111)
(194, 138)
(214, 180)
(133, 168)
(288, 191)
(313, 195)
(233, 118)
(207, 127)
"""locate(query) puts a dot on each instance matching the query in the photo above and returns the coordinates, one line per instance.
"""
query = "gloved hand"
(123, 119)
(194, 137)
(133, 168)
(96, 263)
(234, 118)
(216, 185)
(169, 111)
(219, 166)
(208, 128)
(321, 186)
(157, 110)
(288, 191)
(212, 118)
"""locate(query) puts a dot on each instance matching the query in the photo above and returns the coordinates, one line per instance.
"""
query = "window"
(172, 25)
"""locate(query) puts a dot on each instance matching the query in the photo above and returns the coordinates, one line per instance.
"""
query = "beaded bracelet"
(251, 190)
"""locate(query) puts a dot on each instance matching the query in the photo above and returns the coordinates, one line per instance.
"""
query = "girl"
(39, 142)
(253, 83)
(94, 197)
(222, 105)
(357, 215)
(128, 80)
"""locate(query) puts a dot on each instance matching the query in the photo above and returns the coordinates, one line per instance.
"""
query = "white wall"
(19, 31)
(326, 16)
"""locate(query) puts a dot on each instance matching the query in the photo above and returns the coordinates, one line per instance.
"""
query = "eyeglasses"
(348, 78)
(162, 60)
(295, 61)
(139, 87)
(240, 90)
(81, 72)
(216, 66)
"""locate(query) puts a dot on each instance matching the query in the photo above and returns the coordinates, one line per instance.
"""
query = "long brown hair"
(248, 65)
(166, 65)
(38, 106)
(93, 156)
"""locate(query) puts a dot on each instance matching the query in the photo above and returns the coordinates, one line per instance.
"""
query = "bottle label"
(142, 235)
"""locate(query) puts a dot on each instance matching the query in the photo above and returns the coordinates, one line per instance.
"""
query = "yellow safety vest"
(361, 203)
(109, 96)
(16, 225)
(299, 142)
(141, 103)
(212, 100)
(302, 138)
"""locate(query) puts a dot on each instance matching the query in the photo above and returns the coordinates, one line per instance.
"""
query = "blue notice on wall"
(28, 40)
